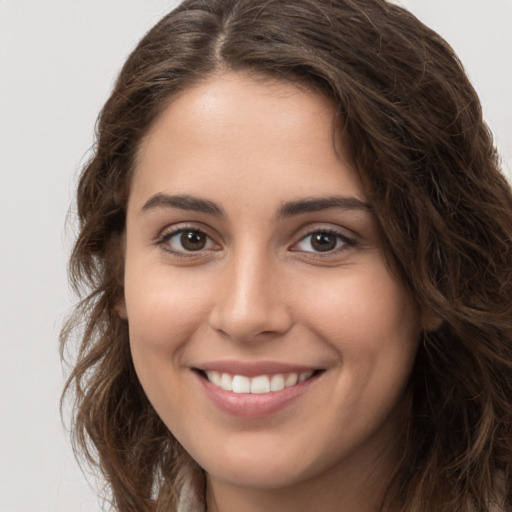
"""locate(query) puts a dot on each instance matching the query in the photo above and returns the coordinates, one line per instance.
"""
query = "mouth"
(259, 384)
(255, 389)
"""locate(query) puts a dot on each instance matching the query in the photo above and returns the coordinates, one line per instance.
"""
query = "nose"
(250, 301)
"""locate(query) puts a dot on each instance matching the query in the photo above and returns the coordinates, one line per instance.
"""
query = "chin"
(270, 475)
(263, 462)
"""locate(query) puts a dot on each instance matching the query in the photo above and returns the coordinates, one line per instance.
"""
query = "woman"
(298, 247)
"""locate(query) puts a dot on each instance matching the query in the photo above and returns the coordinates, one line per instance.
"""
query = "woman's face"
(266, 328)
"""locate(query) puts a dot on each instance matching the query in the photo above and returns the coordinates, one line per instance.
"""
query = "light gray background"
(58, 59)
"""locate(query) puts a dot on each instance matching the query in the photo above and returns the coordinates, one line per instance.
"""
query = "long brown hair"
(414, 127)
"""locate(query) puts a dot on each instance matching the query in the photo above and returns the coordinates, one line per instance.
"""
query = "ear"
(430, 321)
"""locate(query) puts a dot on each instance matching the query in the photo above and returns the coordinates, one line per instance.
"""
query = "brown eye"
(193, 240)
(323, 242)
(187, 241)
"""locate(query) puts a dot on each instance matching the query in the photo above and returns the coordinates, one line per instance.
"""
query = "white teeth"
(304, 376)
(215, 377)
(241, 384)
(291, 379)
(258, 385)
(226, 382)
(277, 383)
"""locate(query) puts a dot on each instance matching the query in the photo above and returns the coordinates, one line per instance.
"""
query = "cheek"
(164, 314)
(162, 307)
(371, 321)
(368, 305)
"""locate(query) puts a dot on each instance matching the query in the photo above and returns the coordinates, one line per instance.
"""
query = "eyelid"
(170, 231)
(348, 241)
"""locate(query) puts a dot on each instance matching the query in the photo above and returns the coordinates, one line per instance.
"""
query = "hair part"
(413, 126)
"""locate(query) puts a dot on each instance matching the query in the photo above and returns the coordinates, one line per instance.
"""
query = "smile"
(260, 384)
(254, 391)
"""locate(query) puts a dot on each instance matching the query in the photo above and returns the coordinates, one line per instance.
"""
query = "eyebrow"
(183, 202)
(288, 209)
(315, 204)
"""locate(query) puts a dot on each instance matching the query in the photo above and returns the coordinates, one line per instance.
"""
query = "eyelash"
(165, 237)
(346, 243)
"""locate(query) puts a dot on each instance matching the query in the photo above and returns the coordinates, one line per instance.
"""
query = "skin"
(260, 290)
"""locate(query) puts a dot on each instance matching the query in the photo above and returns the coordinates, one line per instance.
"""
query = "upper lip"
(254, 368)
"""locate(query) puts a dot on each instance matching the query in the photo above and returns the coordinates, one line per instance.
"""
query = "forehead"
(231, 100)
(245, 132)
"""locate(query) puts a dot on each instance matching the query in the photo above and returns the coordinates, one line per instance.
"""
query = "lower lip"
(253, 405)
